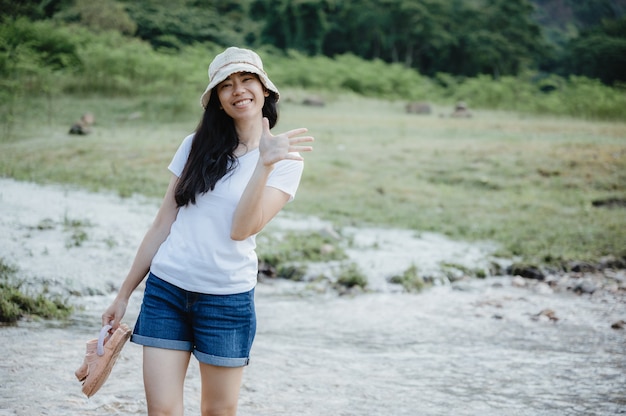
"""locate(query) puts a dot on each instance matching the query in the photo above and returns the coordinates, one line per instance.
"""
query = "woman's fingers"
(293, 148)
(304, 139)
(291, 134)
(266, 126)
(295, 132)
(284, 145)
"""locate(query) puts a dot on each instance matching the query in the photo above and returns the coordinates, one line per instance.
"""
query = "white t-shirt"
(199, 255)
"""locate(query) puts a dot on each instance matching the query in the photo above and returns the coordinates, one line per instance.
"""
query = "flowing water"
(477, 347)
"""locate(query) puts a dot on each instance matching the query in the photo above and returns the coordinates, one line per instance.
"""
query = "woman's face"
(242, 96)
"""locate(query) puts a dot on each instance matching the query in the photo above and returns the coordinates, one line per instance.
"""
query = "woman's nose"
(239, 88)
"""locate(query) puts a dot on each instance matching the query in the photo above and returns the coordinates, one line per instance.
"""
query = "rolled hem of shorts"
(220, 361)
(170, 344)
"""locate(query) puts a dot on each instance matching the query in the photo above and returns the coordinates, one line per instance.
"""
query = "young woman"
(229, 179)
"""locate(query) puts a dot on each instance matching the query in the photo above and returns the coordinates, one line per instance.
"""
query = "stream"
(472, 347)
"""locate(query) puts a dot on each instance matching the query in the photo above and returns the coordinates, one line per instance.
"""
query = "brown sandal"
(100, 357)
(83, 370)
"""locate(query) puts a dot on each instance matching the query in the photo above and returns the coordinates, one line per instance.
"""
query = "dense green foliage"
(462, 38)
(599, 52)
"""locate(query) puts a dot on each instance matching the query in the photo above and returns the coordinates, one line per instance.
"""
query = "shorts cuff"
(220, 361)
(170, 344)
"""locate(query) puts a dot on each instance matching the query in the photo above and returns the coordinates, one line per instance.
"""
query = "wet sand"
(477, 347)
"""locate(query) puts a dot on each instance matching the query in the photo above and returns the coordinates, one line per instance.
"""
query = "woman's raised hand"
(283, 146)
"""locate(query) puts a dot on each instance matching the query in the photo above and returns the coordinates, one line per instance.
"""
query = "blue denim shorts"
(218, 329)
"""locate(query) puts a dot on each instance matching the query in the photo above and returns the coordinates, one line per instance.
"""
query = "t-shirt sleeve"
(179, 160)
(286, 176)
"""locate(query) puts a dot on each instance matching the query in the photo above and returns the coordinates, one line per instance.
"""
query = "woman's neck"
(249, 136)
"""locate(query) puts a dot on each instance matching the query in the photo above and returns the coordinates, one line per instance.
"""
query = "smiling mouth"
(242, 103)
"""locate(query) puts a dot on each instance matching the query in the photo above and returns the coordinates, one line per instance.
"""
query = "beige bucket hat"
(231, 61)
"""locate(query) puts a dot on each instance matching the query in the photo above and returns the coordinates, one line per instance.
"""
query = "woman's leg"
(163, 377)
(220, 389)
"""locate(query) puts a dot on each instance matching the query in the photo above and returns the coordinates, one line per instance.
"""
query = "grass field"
(526, 182)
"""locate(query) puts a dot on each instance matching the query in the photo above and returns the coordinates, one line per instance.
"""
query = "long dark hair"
(212, 150)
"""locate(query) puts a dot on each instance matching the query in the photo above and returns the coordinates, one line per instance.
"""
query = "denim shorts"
(218, 329)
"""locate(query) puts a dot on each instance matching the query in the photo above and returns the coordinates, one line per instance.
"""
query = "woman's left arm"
(259, 202)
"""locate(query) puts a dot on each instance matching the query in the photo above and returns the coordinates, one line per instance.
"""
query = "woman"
(229, 179)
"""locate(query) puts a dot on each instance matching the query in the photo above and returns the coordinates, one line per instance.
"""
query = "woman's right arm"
(156, 234)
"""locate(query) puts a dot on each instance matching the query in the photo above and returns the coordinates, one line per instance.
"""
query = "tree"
(174, 23)
(358, 27)
(293, 24)
(102, 15)
(591, 13)
(32, 9)
(599, 52)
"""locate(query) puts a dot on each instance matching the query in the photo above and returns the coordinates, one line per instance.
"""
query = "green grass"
(15, 303)
(526, 182)
(298, 247)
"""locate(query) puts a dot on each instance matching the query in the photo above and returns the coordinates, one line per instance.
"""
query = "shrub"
(410, 280)
(351, 277)
(14, 304)
(291, 272)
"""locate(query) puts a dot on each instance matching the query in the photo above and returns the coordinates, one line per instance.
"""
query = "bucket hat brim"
(232, 61)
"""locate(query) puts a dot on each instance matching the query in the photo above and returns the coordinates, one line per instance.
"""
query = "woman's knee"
(220, 390)
(219, 409)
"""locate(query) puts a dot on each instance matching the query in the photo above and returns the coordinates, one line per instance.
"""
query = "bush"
(348, 73)
(114, 65)
(26, 46)
(578, 97)
(32, 54)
